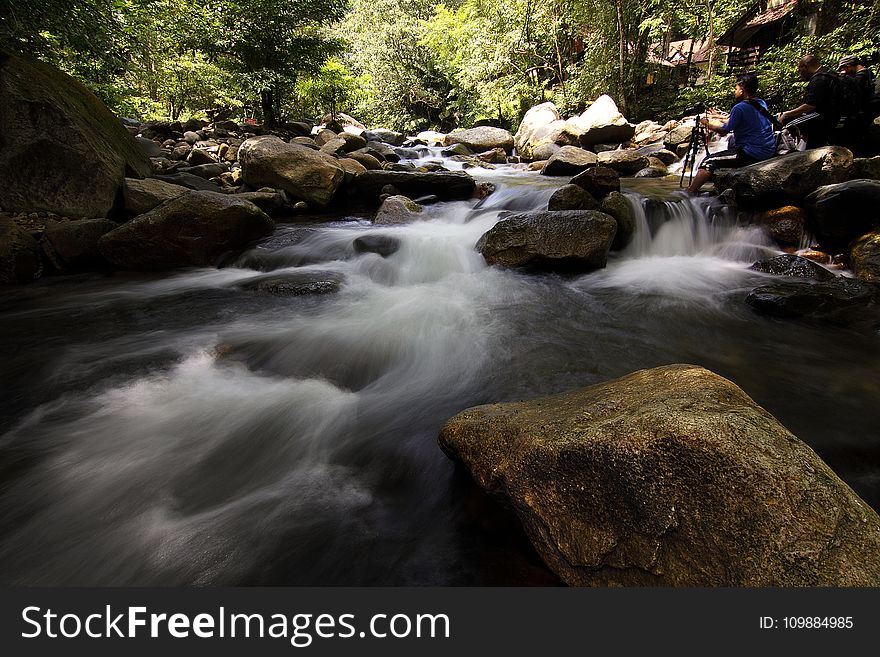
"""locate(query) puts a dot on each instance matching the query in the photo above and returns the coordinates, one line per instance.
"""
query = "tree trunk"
(621, 80)
(267, 103)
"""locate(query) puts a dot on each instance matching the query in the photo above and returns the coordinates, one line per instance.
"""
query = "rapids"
(184, 429)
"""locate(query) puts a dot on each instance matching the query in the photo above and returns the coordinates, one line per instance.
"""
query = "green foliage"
(331, 90)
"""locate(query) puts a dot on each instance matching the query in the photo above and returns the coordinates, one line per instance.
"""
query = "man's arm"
(785, 117)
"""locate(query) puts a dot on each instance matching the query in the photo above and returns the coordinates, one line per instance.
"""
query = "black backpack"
(846, 92)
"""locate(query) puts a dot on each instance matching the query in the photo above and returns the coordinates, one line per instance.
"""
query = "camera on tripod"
(697, 108)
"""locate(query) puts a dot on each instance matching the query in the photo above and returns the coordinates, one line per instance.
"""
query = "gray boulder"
(73, 245)
(599, 181)
(572, 239)
(841, 300)
(602, 123)
(270, 202)
(668, 477)
(446, 185)
(625, 162)
(619, 207)
(306, 174)
(19, 254)
(568, 161)
(839, 214)
(786, 179)
(484, 138)
(572, 197)
(386, 136)
(677, 136)
(194, 229)
(63, 151)
(140, 196)
(398, 210)
(542, 127)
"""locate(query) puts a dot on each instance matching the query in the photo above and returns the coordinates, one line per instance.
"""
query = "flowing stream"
(188, 429)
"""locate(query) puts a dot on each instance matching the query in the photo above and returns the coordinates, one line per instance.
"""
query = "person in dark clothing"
(752, 127)
(858, 125)
(819, 114)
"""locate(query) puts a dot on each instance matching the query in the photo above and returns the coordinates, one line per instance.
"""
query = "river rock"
(446, 185)
(140, 196)
(334, 146)
(191, 137)
(839, 300)
(62, 150)
(671, 476)
(568, 161)
(180, 152)
(366, 160)
(380, 151)
(657, 151)
(625, 162)
(838, 214)
(149, 147)
(865, 257)
(19, 254)
(194, 229)
(73, 245)
(386, 136)
(495, 156)
(294, 284)
(572, 239)
(352, 142)
(398, 210)
(322, 136)
(541, 127)
(206, 171)
(785, 179)
(866, 168)
(599, 181)
(602, 123)
(619, 207)
(785, 224)
(272, 203)
(787, 264)
(679, 135)
(198, 156)
(351, 167)
(482, 139)
(309, 175)
(383, 245)
(572, 197)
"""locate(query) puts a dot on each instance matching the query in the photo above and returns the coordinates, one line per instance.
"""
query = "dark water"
(185, 429)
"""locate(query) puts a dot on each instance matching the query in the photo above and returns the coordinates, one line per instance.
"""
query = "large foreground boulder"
(62, 150)
(73, 245)
(839, 214)
(571, 239)
(786, 179)
(673, 477)
(483, 138)
(140, 196)
(304, 173)
(445, 185)
(19, 254)
(191, 230)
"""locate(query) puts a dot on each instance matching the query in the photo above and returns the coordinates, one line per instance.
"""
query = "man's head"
(746, 86)
(847, 65)
(807, 66)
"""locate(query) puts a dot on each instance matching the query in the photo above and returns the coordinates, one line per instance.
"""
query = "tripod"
(699, 137)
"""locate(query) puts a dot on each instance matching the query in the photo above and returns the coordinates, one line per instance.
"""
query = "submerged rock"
(841, 300)
(295, 284)
(383, 245)
(572, 239)
(668, 477)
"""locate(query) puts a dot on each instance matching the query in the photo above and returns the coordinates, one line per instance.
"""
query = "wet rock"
(665, 156)
(140, 196)
(206, 171)
(599, 181)
(62, 150)
(785, 224)
(308, 175)
(386, 136)
(398, 210)
(351, 167)
(786, 179)
(295, 284)
(484, 138)
(495, 156)
(572, 197)
(431, 138)
(650, 172)
(447, 185)
(194, 229)
(456, 149)
(73, 245)
(187, 180)
(484, 189)
(383, 245)
(865, 257)
(840, 300)
(538, 165)
(619, 207)
(19, 254)
(792, 265)
(573, 239)
(568, 161)
(272, 203)
(625, 162)
(382, 151)
(839, 214)
(866, 168)
(668, 477)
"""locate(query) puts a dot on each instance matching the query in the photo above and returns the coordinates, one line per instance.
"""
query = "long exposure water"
(187, 428)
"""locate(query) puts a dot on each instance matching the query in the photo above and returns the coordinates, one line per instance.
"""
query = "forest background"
(409, 64)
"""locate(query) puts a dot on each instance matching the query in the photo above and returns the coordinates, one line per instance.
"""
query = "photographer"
(752, 126)
(819, 114)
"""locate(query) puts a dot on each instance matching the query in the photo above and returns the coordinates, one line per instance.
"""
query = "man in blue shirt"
(752, 127)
